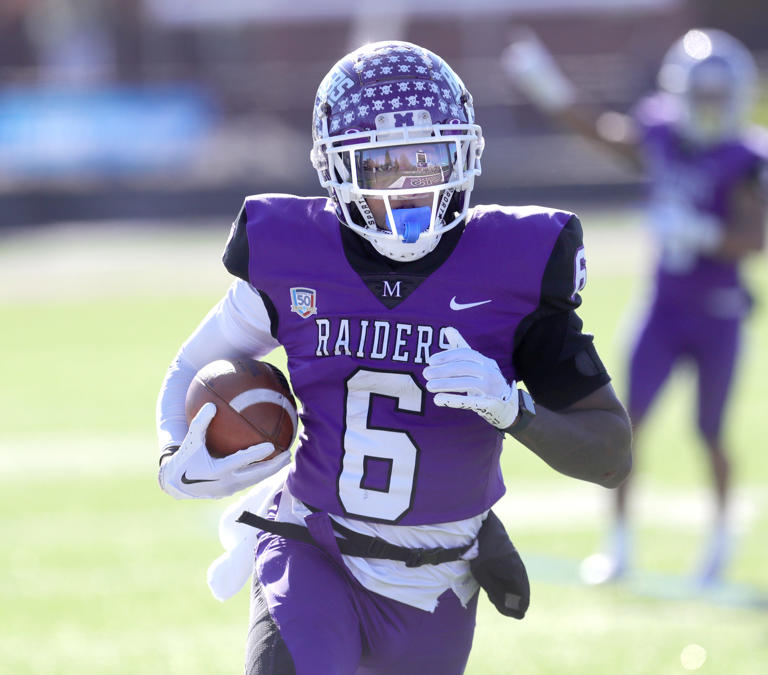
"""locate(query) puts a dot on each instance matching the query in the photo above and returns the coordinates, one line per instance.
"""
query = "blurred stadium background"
(143, 108)
(130, 130)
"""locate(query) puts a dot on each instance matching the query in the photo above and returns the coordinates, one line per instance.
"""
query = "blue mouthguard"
(410, 223)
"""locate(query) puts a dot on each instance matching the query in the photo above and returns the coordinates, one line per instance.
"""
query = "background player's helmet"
(392, 121)
(713, 77)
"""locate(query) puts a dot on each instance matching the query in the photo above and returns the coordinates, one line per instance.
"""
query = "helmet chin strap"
(414, 238)
(402, 252)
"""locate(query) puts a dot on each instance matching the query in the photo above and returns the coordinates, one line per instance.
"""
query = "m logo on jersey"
(391, 290)
(304, 302)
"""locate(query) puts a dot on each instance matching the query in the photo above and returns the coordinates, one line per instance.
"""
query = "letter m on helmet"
(404, 119)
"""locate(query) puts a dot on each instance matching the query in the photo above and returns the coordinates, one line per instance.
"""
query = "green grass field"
(100, 572)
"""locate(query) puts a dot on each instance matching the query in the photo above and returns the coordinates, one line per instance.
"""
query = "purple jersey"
(374, 445)
(705, 179)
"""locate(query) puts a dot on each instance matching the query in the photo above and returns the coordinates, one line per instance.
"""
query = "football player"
(706, 209)
(408, 320)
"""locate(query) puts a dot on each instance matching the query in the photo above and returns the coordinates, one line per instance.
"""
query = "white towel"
(230, 571)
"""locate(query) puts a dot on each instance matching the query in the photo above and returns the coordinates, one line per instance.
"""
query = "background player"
(423, 315)
(707, 212)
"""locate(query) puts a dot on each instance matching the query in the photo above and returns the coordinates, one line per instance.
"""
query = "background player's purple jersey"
(703, 178)
(374, 445)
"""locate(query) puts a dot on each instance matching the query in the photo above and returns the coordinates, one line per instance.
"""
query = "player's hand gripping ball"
(242, 420)
(254, 405)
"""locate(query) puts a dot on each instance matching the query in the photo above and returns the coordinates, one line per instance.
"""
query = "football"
(254, 404)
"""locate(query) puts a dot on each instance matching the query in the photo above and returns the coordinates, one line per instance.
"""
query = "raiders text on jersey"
(401, 342)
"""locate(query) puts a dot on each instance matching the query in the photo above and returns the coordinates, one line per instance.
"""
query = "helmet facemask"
(414, 165)
(710, 104)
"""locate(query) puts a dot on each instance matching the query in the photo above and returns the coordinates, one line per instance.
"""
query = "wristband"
(526, 411)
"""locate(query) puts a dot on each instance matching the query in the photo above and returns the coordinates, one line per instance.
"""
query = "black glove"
(499, 569)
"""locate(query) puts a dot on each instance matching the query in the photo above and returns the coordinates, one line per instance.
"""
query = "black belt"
(357, 544)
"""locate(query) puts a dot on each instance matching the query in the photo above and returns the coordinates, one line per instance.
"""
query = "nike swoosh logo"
(466, 305)
(190, 481)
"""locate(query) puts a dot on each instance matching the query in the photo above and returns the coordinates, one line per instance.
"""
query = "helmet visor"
(398, 167)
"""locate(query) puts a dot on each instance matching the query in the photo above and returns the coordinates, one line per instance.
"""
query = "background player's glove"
(464, 378)
(683, 232)
(191, 472)
(532, 68)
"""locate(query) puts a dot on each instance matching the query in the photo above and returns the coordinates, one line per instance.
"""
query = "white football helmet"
(393, 122)
(713, 77)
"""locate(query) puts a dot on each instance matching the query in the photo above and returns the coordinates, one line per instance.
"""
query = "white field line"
(99, 260)
(132, 258)
(67, 456)
(531, 508)
(557, 506)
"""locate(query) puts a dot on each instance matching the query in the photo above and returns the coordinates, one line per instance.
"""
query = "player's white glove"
(464, 378)
(528, 63)
(683, 232)
(191, 472)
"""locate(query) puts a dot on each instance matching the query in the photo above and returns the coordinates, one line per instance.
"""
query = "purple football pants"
(310, 615)
(670, 335)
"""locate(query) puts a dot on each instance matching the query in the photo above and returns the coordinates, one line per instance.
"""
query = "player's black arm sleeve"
(236, 259)
(581, 428)
(236, 252)
(556, 360)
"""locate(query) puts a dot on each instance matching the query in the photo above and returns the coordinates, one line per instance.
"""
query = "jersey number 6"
(378, 469)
